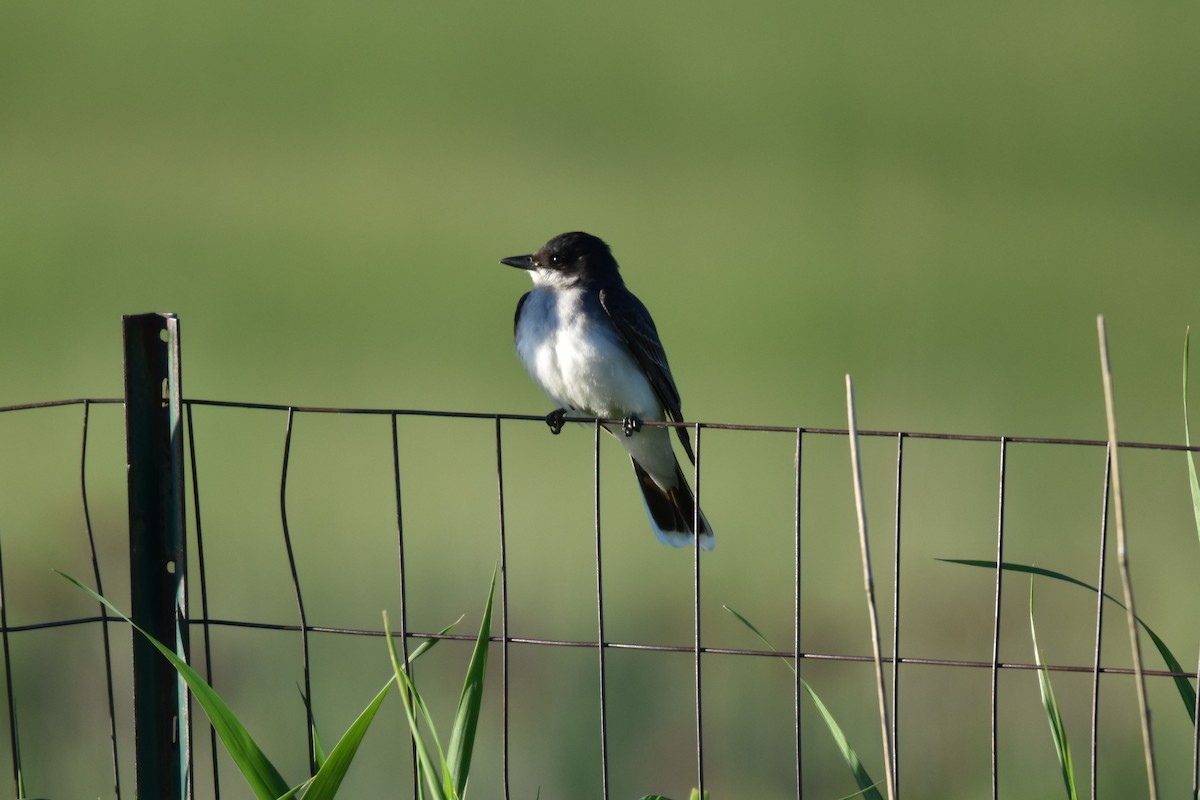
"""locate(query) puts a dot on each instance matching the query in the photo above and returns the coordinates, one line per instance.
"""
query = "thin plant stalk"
(1123, 561)
(869, 584)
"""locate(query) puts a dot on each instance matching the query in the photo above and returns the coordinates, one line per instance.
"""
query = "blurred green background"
(936, 198)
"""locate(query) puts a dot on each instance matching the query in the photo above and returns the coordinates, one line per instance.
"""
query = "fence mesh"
(616, 670)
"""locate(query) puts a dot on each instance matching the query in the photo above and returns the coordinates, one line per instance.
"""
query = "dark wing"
(517, 316)
(633, 322)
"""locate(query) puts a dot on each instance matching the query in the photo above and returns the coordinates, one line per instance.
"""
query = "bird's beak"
(523, 262)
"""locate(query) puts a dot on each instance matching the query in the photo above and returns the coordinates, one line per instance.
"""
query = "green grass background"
(936, 198)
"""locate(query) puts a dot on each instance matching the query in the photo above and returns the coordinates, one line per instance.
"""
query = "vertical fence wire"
(412, 743)
(104, 618)
(798, 689)
(896, 618)
(600, 643)
(291, 556)
(996, 619)
(205, 625)
(504, 743)
(1094, 733)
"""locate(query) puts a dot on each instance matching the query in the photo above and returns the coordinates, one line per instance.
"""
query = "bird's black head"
(569, 258)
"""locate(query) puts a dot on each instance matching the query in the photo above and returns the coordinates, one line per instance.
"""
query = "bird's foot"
(555, 420)
(631, 425)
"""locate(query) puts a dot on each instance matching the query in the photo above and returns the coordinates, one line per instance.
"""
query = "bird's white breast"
(579, 359)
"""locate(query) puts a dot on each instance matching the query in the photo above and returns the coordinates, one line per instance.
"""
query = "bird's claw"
(555, 420)
(631, 425)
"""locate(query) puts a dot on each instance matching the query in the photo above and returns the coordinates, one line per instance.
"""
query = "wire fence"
(900, 659)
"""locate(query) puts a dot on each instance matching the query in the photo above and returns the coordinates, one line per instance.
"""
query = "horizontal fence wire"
(696, 650)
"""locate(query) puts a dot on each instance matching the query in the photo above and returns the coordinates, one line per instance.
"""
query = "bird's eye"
(556, 259)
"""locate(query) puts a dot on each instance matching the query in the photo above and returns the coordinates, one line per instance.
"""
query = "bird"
(592, 346)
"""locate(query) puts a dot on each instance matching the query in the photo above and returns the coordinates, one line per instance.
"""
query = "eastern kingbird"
(593, 348)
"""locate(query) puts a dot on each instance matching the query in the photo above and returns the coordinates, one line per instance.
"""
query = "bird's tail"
(672, 510)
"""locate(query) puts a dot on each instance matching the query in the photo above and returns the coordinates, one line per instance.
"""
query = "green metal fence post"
(154, 449)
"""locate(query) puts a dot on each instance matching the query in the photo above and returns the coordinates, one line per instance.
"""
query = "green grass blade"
(21, 792)
(410, 698)
(413, 703)
(466, 719)
(303, 788)
(695, 795)
(318, 750)
(859, 793)
(420, 704)
(264, 780)
(1187, 436)
(426, 645)
(866, 786)
(1046, 573)
(298, 790)
(329, 777)
(1058, 729)
(1182, 684)
(443, 767)
(760, 635)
